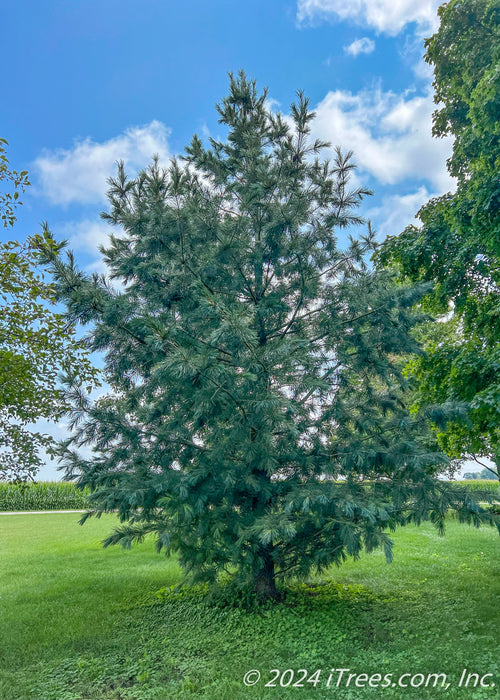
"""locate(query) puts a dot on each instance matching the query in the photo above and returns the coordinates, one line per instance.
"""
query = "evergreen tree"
(256, 424)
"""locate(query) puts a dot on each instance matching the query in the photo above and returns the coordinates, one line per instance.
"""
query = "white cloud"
(271, 104)
(79, 174)
(99, 266)
(398, 211)
(87, 235)
(385, 16)
(423, 71)
(410, 54)
(390, 135)
(363, 45)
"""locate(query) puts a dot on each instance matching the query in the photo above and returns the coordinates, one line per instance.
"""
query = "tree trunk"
(265, 582)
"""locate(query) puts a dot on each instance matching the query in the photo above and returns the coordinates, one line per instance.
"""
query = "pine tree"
(256, 424)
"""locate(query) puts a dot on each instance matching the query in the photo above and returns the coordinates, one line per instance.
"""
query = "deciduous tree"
(457, 244)
(36, 344)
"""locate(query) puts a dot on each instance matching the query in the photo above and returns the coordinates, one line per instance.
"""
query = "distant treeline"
(483, 474)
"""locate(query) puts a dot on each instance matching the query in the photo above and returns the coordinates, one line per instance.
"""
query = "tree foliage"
(36, 344)
(457, 244)
(484, 474)
(256, 423)
(12, 184)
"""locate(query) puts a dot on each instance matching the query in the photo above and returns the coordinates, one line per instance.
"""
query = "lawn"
(77, 621)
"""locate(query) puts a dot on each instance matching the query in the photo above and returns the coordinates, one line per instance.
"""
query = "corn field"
(43, 495)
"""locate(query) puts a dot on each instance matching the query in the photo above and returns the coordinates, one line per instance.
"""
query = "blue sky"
(89, 82)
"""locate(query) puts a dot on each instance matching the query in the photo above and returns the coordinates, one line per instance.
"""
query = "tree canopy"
(457, 244)
(256, 422)
(36, 345)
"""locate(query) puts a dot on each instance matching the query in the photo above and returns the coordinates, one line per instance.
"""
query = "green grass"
(79, 622)
(42, 495)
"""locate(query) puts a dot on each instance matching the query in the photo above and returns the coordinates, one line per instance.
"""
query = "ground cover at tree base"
(80, 622)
